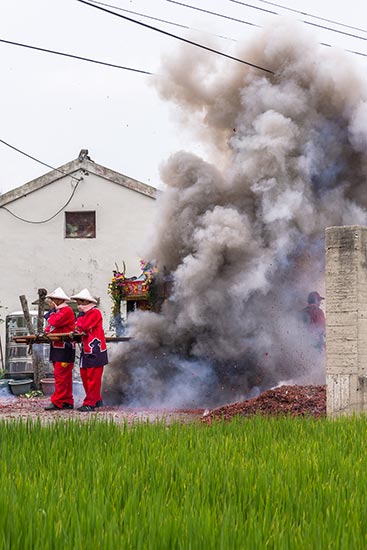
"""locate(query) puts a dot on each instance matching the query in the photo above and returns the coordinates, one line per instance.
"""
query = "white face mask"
(60, 306)
(85, 307)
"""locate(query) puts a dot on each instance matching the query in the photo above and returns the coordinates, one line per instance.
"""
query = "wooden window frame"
(89, 230)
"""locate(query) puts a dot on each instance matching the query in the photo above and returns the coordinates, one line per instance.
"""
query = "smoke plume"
(243, 236)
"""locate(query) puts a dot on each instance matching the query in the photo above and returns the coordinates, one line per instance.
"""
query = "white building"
(68, 228)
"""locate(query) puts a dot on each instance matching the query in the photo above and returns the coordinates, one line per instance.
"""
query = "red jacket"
(94, 349)
(61, 320)
(314, 316)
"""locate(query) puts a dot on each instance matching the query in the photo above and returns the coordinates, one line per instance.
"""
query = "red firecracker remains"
(285, 400)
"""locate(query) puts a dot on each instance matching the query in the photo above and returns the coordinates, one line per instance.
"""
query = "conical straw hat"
(84, 295)
(58, 293)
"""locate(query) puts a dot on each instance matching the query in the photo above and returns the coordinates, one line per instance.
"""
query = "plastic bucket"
(19, 387)
(48, 385)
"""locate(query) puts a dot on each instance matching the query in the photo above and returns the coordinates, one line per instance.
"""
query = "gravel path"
(12, 407)
(285, 400)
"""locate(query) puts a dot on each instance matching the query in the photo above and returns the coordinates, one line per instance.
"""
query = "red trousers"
(63, 374)
(92, 382)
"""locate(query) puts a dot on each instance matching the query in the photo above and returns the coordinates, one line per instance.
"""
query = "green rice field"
(248, 484)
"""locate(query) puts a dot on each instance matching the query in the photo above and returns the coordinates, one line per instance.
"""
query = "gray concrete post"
(346, 319)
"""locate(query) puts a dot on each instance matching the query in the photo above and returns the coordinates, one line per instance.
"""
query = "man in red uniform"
(314, 317)
(60, 318)
(94, 351)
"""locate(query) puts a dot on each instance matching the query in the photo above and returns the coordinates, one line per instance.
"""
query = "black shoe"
(86, 408)
(67, 406)
(99, 404)
(52, 407)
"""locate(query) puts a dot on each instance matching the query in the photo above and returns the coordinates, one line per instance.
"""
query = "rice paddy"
(249, 484)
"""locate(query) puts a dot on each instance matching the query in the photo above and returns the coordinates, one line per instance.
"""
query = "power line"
(191, 42)
(221, 15)
(226, 17)
(349, 51)
(51, 217)
(214, 13)
(306, 22)
(161, 20)
(74, 56)
(313, 16)
(37, 160)
(262, 9)
(335, 30)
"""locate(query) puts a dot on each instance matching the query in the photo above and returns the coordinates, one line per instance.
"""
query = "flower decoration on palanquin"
(149, 270)
(116, 287)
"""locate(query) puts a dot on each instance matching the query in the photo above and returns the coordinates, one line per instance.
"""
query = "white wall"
(38, 255)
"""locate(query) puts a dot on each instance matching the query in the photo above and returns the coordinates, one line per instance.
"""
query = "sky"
(52, 106)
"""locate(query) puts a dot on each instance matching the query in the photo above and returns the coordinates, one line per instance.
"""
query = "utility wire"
(248, 23)
(213, 13)
(313, 16)
(176, 37)
(161, 20)
(220, 15)
(11, 43)
(51, 217)
(349, 51)
(306, 22)
(74, 56)
(37, 160)
(335, 30)
(78, 180)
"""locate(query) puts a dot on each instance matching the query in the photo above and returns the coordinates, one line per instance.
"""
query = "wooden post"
(37, 355)
(42, 293)
(2, 356)
(27, 317)
(39, 363)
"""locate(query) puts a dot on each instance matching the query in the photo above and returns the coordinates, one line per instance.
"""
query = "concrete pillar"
(346, 319)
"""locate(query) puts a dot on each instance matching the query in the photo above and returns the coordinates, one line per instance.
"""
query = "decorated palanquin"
(138, 292)
(135, 290)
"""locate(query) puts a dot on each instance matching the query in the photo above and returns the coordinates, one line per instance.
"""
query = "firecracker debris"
(305, 401)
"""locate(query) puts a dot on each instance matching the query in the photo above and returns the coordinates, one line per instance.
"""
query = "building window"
(80, 225)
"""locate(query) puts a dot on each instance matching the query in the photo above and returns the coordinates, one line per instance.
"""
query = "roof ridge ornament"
(83, 155)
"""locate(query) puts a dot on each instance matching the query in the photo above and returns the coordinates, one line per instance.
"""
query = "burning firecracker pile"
(241, 231)
(286, 400)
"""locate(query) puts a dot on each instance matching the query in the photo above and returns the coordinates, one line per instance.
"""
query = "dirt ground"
(21, 407)
(285, 400)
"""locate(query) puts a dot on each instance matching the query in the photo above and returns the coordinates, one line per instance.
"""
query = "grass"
(250, 484)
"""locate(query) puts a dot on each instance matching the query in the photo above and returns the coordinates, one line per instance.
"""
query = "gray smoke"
(243, 237)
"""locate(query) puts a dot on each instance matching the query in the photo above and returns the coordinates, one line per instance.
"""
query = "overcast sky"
(51, 107)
